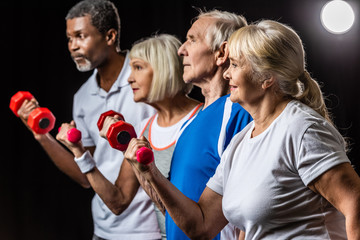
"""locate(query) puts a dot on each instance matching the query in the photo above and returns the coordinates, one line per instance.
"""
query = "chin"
(84, 67)
(140, 99)
(136, 99)
(234, 99)
(187, 80)
(192, 80)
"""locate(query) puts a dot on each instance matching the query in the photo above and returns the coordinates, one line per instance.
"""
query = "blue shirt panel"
(196, 156)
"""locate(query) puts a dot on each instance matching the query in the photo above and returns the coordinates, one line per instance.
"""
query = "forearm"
(352, 227)
(341, 187)
(62, 158)
(150, 191)
(202, 220)
(116, 197)
(352, 216)
(186, 213)
(241, 235)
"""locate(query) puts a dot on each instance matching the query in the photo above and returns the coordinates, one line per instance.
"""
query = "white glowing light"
(337, 16)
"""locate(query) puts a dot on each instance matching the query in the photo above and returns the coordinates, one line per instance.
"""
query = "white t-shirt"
(264, 179)
(138, 221)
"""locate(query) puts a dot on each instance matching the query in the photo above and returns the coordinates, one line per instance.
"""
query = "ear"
(268, 81)
(222, 54)
(111, 36)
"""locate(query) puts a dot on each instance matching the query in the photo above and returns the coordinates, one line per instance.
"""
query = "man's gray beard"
(84, 67)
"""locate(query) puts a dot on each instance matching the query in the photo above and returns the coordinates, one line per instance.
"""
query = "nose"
(226, 74)
(72, 44)
(131, 78)
(182, 50)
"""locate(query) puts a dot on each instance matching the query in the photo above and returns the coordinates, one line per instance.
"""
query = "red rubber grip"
(144, 155)
(73, 135)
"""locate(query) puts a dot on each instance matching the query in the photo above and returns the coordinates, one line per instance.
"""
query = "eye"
(137, 67)
(233, 64)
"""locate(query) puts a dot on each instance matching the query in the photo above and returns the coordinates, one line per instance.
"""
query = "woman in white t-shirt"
(156, 79)
(286, 175)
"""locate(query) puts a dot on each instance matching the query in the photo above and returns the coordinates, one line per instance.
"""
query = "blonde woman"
(286, 175)
(156, 79)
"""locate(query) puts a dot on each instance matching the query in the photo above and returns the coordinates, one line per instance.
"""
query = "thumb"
(72, 123)
(118, 117)
(143, 138)
(147, 143)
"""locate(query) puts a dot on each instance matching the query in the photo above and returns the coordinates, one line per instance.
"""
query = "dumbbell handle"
(73, 135)
(144, 155)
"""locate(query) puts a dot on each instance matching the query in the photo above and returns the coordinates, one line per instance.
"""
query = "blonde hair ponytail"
(311, 95)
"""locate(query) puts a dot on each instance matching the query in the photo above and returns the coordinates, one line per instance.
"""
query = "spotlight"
(337, 16)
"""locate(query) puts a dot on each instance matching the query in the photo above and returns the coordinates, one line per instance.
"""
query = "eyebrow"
(137, 61)
(190, 36)
(76, 32)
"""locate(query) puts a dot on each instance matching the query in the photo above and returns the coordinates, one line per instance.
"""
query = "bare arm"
(341, 187)
(118, 196)
(242, 235)
(60, 156)
(63, 159)
(201, 220)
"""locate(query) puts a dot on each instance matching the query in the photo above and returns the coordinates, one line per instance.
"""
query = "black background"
(37, 201)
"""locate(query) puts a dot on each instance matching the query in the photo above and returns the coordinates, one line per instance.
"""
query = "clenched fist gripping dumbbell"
(119, 135)
(73, 135)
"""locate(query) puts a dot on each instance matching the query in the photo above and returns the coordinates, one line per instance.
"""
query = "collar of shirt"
(119, 83)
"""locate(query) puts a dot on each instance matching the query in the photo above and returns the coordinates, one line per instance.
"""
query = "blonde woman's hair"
(225, 24)
(160, 51)
(274, 48)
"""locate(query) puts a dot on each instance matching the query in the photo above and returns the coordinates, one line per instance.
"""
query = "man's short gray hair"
(225, 24)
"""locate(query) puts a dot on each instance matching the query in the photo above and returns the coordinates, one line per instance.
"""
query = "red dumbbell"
(119, 133)
(40, 120)
(73, 135)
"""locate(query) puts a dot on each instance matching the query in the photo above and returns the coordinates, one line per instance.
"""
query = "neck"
(109, 70)
(266, 111)
(213, 88)
(172, 110)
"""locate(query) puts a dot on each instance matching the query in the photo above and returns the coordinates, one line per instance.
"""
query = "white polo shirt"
(138, 221)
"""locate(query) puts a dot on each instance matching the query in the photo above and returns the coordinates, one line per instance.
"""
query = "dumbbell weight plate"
(41, 120)
(17, 100)
(120, 134)
(102, 117)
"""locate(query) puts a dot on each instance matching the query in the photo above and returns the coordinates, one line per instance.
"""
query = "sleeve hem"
(321, 167)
